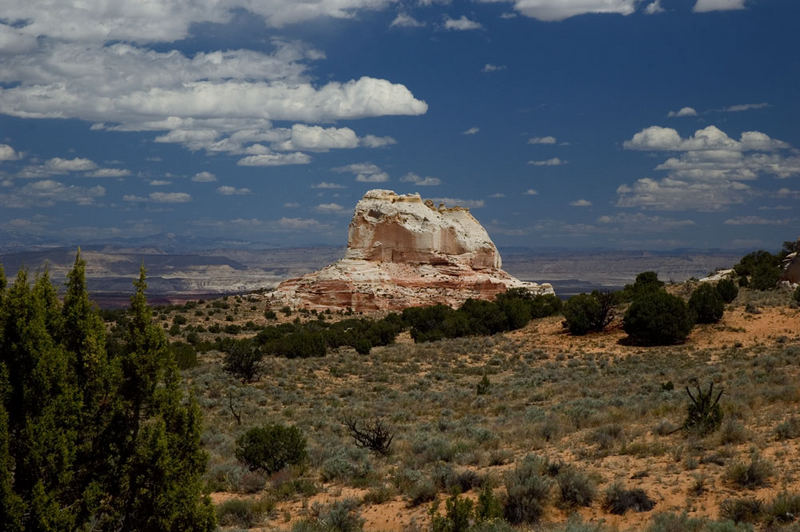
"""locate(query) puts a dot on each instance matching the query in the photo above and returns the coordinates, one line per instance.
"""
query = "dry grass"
(589, 403)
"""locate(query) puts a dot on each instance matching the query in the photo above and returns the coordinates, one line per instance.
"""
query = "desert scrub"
(618, 500)
(245, 513)
(671, 522)
(575, 488)
(350, 465)
(750, 475)
(527, 491)
(742, 510)
(789, 429)
(339, 516)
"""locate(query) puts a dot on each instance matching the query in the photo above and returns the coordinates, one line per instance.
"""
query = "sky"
(622, 124)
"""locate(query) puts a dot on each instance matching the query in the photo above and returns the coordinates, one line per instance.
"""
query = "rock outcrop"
(791, 267)
(403, 252)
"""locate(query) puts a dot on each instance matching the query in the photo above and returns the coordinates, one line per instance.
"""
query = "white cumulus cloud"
(364, 172)
(170, 197)
(555, 10)
(683, 111)
(274, 159)
(581, 203)
(542, 140)
(48, 192)
(404, 20)
(703, 6)
(204, 177)
(226, 190)
(709, 171)
(461, 24)
(555, 161)
(329, 208)
(420, 181)
(7, 153)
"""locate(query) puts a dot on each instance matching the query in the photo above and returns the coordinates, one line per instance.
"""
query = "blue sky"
(631, 124)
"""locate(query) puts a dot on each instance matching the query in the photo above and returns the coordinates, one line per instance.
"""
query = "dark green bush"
(242, 360)
(585, 313)
(706, 304)
(761, 267)
(618, 500)
(796, 295)
(185, 354)
(527, 492)
(727, 290)
(271, 448)
(657, 318)
(645, 282)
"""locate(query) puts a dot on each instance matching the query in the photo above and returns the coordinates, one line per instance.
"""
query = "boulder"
(401, 252)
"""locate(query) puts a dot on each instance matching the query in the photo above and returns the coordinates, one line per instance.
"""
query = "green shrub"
(244, 513)
(785, 508)
(271, 448)
(618, 500)
(185, 354)
(484, 385)
(527, 492)
(727, 290)
(744, 510)
(657, 318)
(761, 267)
(457, 517)
(671, 522)
(421, 491)
(645, 282)
(706, 304)
(339, 516)
(796, 295)
(243, 360)
(585, 313)
(789, 429)
(703, 414)
(179, 319)
(488, 507)
(575, 488)
(752, 475)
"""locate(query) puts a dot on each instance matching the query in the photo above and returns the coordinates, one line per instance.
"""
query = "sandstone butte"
(402, 252)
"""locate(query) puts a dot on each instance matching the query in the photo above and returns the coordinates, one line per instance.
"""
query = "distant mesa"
(401, 252)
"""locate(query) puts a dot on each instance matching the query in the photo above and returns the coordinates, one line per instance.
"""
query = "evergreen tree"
(160, 481)
(88, 442)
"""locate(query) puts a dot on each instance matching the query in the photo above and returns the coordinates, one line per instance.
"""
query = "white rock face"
(401, 252)
(387, 227)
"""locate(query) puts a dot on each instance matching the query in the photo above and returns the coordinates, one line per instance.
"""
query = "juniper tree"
(87, 441)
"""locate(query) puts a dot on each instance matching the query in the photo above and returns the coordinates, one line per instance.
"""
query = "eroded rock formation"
(791, 267)
(404, 252)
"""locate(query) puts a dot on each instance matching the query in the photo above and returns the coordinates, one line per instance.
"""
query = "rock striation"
(401, 252)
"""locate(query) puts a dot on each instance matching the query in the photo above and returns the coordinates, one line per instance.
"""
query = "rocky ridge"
(403, 251)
